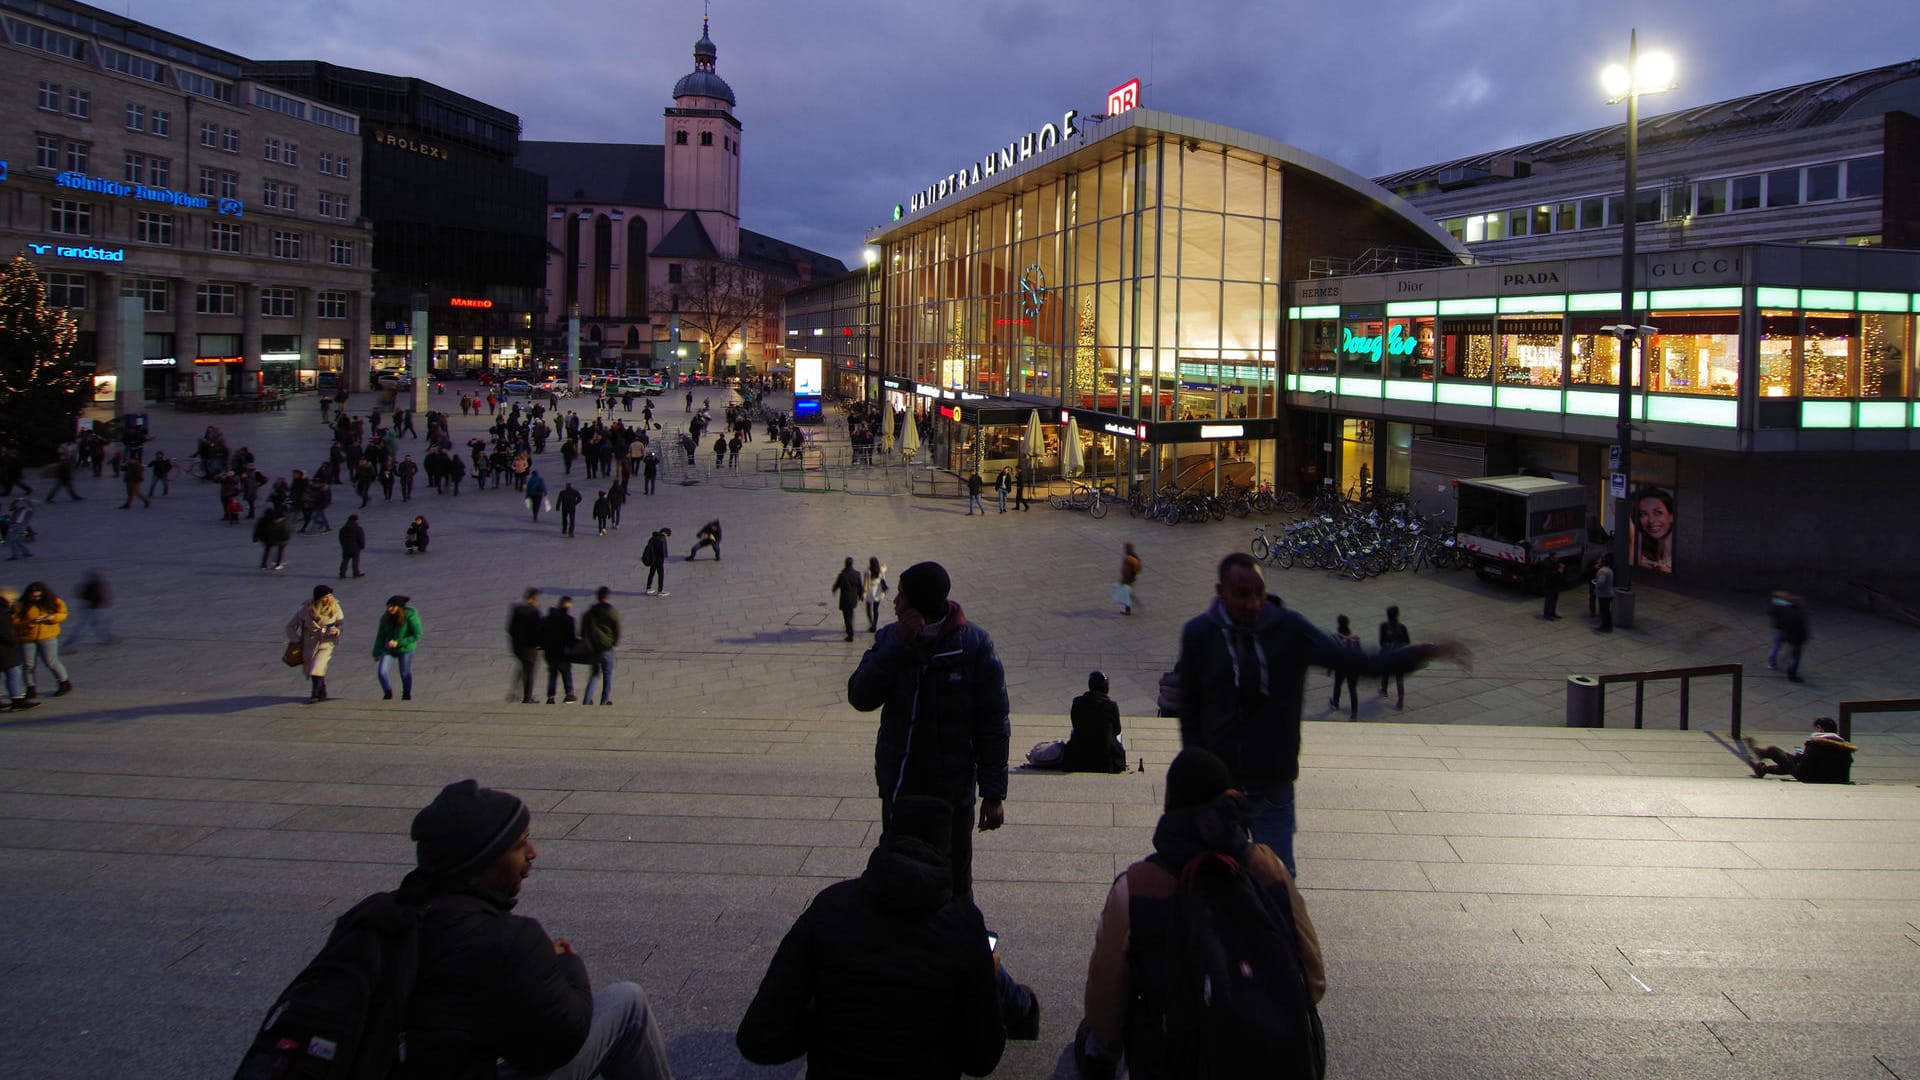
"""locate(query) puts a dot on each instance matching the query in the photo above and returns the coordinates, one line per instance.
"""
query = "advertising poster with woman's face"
(1653, 523)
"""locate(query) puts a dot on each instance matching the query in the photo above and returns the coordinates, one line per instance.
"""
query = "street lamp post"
(1647, 74)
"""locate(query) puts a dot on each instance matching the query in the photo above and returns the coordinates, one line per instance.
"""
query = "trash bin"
(1623, 608)
(1583, 702)
(134, 421)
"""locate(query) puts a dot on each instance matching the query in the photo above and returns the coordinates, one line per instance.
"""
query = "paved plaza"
(1498, 895)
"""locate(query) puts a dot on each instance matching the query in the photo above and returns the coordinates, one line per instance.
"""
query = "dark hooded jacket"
(886, 976)
(943, 712)
(490, 987)
(1255, 727)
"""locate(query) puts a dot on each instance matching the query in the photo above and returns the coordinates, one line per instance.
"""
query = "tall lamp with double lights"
(1643, 73)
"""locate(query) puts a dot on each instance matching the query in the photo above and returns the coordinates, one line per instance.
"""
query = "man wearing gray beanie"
(942, 696)
(495, 995)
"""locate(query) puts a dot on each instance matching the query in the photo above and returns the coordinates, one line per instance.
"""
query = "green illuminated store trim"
(1470, 394)
(1685, 299)
(1486, 305)
(1883, 301)
(1321, 311)
(1594, 403)
(1360, 387)
(1769, 296)
(1883, 414)
(1826, 414)
(1417, 307)
(1293, 382)
(1594, 301)
(1532, 305)
(1318, 384)
(1293, 314)
(1528, 399)
(1407, 390)
(1826, 299)
(1708, 412)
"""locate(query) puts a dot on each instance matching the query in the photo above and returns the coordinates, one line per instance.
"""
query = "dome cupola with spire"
(702, 81)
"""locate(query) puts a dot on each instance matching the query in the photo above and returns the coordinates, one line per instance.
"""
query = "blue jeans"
(1003, 499)
(17, 543)
(1270, 815)
(16, 683)
(406, 671)
(973, 503)
(624, 1042)
(45, 652)
(1773, 654)
(94, 619)
(599, 667)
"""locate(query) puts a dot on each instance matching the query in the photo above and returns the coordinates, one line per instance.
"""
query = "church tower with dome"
(702, 172)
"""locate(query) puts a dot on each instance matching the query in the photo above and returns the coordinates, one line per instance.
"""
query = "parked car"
(516, 386)
(391, 380)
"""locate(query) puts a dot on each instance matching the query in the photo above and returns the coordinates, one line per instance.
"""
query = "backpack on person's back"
(1234, 996)
(344, 1016)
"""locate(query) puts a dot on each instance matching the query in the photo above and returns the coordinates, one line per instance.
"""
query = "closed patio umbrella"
(1072, 462)
(886, 428)
(910, 438)
(1036, 438)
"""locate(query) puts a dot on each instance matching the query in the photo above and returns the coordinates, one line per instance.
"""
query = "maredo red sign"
(469, 302)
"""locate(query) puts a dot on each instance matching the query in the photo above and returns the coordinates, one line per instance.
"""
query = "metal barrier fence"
(1849, 708)
(1587, 694)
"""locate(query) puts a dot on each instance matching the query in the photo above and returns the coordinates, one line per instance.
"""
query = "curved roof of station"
(1072, 155)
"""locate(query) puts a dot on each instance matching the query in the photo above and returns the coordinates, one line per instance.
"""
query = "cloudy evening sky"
(848, 106)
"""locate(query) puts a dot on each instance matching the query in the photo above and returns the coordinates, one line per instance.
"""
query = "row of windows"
(76, 102)
(706, 139)
(216, 137)
(335, 165)
(66, 290)
(286, 153)
(69, 47)
(72, 218)
(154, 121)
(1858, 178)
(62, 45)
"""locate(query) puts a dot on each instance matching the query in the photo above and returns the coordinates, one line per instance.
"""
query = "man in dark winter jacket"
(654, 558)
(888, 975)
(493, 988)
(524, 634)
(849, 589)
(1094, 745)
(558, 639)
(942, 696)
(1243, 665)
(353, 540)
(600, 632)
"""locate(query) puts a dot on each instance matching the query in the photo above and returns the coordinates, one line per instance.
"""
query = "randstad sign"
(100, 185)
(91, 254)
(1000, 160)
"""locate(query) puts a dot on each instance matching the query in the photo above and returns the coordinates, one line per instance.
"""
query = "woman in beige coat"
(316, 629)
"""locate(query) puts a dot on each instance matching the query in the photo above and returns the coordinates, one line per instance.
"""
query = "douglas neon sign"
(1396, 343)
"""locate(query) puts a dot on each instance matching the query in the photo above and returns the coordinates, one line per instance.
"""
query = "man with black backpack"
(1205, 963)
(439, 979)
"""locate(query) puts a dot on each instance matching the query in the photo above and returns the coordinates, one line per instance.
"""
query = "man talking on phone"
(942, 696)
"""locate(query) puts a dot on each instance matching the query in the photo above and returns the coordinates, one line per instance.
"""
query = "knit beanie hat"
(320, 591)
(465, 829)
(925, 586)
(924, 818)
(1195, 778)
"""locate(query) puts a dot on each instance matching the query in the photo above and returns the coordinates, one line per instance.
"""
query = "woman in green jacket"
(395, 639)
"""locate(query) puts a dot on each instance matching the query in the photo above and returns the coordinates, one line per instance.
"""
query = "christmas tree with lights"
(42, 386)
